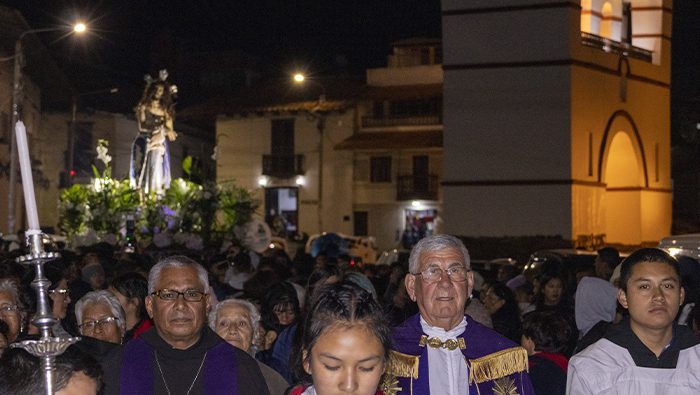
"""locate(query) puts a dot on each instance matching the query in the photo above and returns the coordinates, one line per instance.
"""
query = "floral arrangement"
(187, 213)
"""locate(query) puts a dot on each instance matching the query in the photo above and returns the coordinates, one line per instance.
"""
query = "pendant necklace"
(195, 377)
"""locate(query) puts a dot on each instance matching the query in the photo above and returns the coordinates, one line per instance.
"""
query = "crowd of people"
(235, 322)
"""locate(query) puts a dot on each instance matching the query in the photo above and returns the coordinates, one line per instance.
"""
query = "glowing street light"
(299, 78)
(16, 98)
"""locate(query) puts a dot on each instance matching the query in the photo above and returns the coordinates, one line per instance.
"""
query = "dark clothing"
(99, 349)
(593, 335)
(564, 310)
(181, 368)
(547, 376)
(282, 352)
(506, 321)
(623, 336)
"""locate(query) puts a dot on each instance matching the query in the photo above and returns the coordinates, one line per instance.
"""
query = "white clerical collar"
(434, 331)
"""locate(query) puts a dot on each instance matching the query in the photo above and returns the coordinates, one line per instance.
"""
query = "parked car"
(361, 249)
(686, 245)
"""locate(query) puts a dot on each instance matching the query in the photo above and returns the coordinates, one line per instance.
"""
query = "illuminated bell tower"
(557, 119)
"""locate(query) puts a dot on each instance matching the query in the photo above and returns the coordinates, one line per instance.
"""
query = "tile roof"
(392, 140)
(280, 95)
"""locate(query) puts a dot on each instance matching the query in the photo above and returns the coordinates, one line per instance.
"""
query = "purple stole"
(496, 364)
(136, 376)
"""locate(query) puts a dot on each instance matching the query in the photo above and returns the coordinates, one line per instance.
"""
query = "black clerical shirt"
(179, 367)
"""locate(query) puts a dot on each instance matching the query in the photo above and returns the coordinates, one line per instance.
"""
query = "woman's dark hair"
(545, 278)
(319, 276)
(547, 330)
(242, 262)
(646, 255)
(255, 288)
(303, 263)
(166, 101)
(343, 305)
(282, 295)
(503, 292)
(133, 285)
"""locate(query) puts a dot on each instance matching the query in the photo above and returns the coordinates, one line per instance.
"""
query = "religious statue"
(150, 158)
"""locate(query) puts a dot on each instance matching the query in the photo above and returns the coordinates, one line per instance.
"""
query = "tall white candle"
(27, 180)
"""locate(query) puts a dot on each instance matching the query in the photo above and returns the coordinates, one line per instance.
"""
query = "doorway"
(282, 210)
(623, 210)
(419, 224)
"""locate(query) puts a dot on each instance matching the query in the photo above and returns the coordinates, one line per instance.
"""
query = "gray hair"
(176, 261)
(436, 243)
(252, 312)
(11, 286)
(105, 297)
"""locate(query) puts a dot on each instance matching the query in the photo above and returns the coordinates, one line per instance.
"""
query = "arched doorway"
(624, 178)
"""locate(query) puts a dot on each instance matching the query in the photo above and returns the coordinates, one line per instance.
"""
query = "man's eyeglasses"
(88, 326)
(434, 274)
(7, 311)
(170, 295)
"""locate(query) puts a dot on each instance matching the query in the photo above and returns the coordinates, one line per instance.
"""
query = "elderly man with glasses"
(181, 354)
(441, 350)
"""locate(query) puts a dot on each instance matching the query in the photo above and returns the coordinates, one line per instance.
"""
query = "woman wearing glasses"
(11, 308)
(100, 316)
(59, 298)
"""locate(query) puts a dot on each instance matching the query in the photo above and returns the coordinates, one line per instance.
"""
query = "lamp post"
(320, 118)
(16, 98)
(71, 138)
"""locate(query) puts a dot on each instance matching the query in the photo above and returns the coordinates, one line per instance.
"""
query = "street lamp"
(16, 97)
(320, 118)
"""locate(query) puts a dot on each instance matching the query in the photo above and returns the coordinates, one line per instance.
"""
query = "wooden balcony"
(417, 187)
(283, 166)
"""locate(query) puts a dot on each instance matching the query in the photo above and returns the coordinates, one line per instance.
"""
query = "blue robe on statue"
(496, 365)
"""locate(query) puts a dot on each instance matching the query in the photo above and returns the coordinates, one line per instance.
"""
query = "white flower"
(215, 156)
(102, 154)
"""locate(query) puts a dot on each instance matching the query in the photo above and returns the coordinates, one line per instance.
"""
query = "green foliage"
(187, 165)
(209, 211)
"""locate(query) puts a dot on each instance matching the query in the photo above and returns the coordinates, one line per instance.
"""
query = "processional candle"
(27, 181)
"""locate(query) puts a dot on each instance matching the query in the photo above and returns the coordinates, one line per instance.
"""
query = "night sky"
(329, 37)
(325, 37)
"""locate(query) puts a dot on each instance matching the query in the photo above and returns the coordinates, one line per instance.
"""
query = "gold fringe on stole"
(402, 365)
(497, 365)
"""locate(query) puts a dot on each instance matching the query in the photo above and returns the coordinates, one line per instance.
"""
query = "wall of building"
(244, 141)
(529, 119)
(31, 99)
(395, 76)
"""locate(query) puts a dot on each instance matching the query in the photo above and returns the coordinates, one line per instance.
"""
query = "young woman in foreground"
(345, 343)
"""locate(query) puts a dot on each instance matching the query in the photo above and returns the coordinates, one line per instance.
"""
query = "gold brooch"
(436, 343)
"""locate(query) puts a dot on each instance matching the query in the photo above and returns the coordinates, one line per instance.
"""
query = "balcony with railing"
(418, 120)
(417, 187)
(283, 166)
(621, 48)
